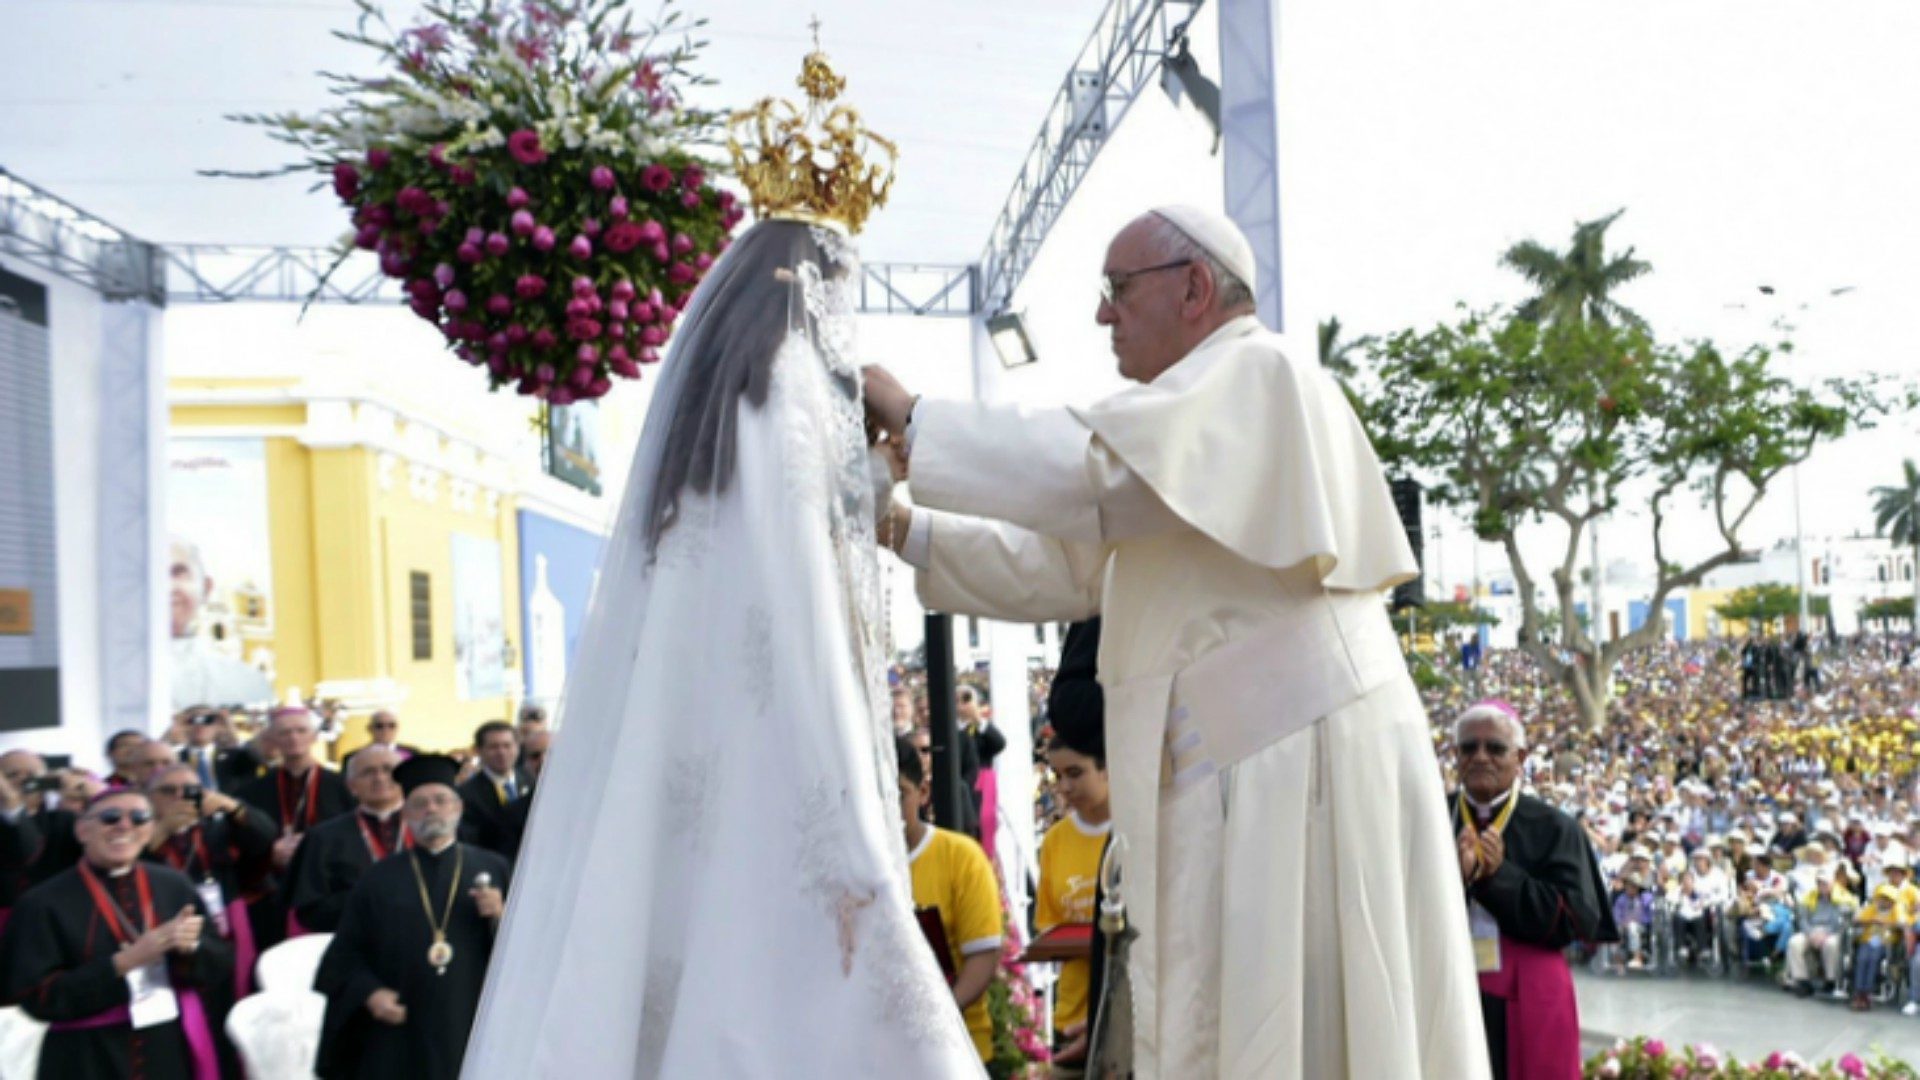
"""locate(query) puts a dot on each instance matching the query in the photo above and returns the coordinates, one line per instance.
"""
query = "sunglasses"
(1474, 746)
(114, 817)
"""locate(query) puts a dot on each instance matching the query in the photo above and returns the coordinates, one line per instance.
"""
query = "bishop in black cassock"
(1533, 888)
(403, 974)
(59, 956)
(338, 852)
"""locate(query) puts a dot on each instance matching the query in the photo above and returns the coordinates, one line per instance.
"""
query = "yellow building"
(393, 551)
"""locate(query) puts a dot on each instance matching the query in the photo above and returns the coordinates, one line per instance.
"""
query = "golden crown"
(811, 164)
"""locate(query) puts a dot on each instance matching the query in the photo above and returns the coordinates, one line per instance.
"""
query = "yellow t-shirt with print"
(951, 874)
(1069, 869)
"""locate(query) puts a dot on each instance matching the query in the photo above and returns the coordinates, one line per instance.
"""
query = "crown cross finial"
(815, 24)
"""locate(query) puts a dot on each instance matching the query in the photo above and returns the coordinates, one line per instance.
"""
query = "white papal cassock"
(1270, 762)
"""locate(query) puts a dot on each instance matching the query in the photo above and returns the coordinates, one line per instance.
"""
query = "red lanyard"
(374, 847)
(117, 920)
(308, 807)
(184, 863)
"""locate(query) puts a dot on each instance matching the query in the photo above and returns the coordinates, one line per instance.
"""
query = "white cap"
(1216, 234)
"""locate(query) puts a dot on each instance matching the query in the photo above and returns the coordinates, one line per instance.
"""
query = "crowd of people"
(134, 905)
(1753, 805)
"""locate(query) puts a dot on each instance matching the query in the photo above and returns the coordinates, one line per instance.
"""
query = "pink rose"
(497, 244)
(622, 290)
(1776, 1059)
(560, 395)
(601, 178)
(456, 301)
(591, 227)
(617, 209)
(692, 177)
(580, 248)
(378, 158)
(583, 286)
(543, 374)
(525, 147)
(544, 339)
(727, 200)
(583, 372)
(518, 198)
(652, 232)
(499, 306)
(622, 238)
(392, 263)
(517, 334)
(462, 176)
(498, 365)
(653, 336)
(690, 200)
(623, 366)
(681, 273)
(443, 275)
(415, 201)
(367, 237)
(656, 178)
(529, 286)
(601, 385)
(649, 356)
(498, 343)
(437, 154)
(543, 238)
(1852, 1065)
(682, 243)
(469, 253)
(617, 311)
(704, 261)
(522, 223)
(660, 252)
(346, 181)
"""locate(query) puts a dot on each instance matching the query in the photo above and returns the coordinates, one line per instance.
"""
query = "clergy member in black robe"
(58, 955)
(296, 794)
(1533, 888)
(36, 842)
(403, 976)
(338, 852)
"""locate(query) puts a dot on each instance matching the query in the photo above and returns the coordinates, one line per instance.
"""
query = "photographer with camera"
(36, 837)
(221, 845)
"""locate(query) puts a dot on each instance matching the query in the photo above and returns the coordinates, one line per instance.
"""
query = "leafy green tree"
(1522, 423)
(1762, 606)
(1577, 285)
(1887, 609)
(1337, 355)
(1896, 514)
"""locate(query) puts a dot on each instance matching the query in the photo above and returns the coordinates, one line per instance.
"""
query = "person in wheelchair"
(1766, 922)
(1703, 891)
(1633, 914)
(1879, 928)
(1825, 914)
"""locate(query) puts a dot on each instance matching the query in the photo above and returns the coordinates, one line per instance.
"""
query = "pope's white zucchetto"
(1216, 234)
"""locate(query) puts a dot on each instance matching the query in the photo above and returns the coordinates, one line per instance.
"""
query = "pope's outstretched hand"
(888, 403)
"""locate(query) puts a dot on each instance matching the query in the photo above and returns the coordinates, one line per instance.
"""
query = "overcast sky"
(1751, 141)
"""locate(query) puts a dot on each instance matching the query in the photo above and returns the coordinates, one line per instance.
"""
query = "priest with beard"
(338, 852)
(111, 954)
(403, 974)
(1533, 888)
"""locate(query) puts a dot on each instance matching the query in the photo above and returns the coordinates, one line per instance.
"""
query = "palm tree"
(1336, 355)
(1896, 512)
(1579, 283)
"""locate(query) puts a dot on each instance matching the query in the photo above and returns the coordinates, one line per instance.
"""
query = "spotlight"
(1009, 333)
(1179, 72)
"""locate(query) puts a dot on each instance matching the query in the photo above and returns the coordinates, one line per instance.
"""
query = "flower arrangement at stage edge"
(1651, 1059)
(1019, 1045)
(527, 170)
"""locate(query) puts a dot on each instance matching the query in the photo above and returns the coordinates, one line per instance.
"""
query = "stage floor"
(1748, 1018)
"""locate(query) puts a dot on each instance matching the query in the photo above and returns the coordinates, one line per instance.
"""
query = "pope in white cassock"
(1270, 761)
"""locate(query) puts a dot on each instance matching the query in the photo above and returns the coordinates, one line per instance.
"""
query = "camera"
(203, 719)
(40, 785)
(194, 794)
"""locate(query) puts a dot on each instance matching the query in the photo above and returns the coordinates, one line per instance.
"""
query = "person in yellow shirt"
(952, 876)
(1878, 927)
(1070, 861)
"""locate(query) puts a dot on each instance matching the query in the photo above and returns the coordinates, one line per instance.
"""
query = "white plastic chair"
(20, 1037)
(277, 1033)
(289, 966)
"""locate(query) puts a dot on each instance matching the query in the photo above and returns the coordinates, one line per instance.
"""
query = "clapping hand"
(1493, 852)
(1467, 844)
(385, 1006)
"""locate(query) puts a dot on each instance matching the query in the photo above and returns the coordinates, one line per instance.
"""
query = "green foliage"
(1336, 355)
(1887, 609)
(1768, 604)
(1442, 615)
(1577, 285)
(1896, 508)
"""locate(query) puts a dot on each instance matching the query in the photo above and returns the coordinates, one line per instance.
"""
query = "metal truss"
(1123, 55)
(226, 273)
(46, 231)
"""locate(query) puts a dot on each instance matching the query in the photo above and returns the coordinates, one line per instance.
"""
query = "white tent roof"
(115, 104)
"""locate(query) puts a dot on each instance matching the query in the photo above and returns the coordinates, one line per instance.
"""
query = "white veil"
(713, 881)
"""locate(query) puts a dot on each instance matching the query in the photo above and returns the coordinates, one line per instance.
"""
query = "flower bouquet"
(1651, 1059)
(528, 170)
(1019, 1045)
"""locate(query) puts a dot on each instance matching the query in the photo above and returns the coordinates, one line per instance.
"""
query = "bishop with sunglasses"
(1533, 888)
(113, 954)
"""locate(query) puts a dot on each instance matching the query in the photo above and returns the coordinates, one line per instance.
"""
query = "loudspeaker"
(1406, 502)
